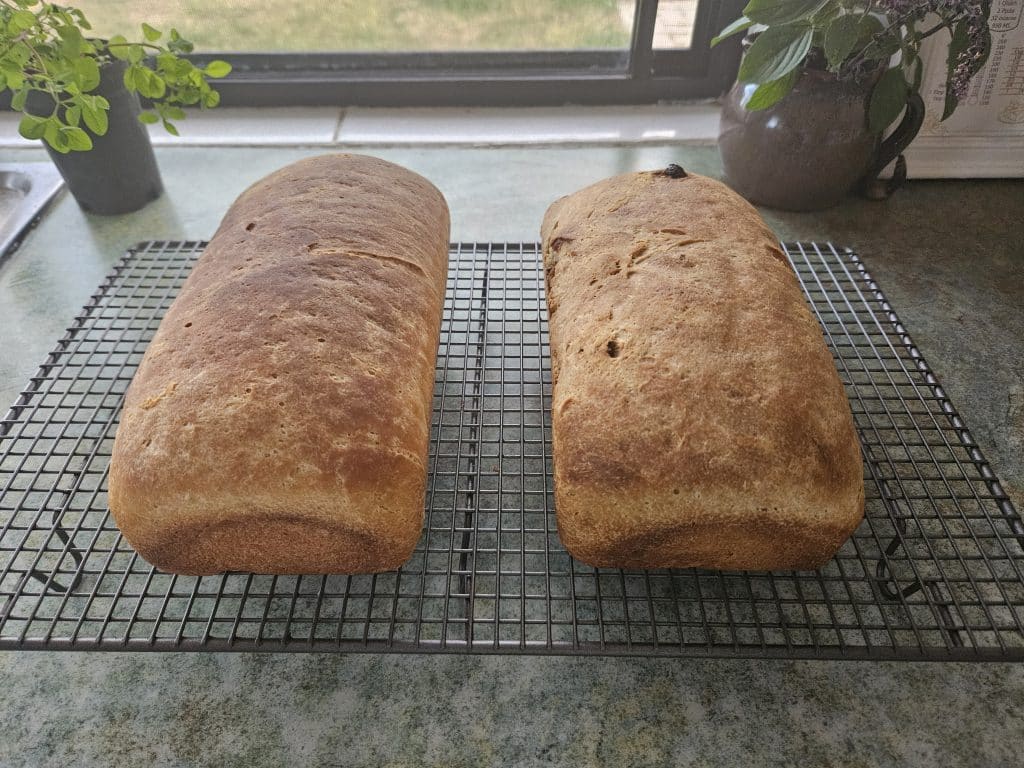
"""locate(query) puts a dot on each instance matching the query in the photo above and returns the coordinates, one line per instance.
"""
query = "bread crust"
(698, 419)
(279, 420)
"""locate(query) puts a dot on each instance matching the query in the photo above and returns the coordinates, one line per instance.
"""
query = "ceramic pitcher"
(810, 149)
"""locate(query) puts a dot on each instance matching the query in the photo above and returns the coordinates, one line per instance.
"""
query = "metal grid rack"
(934, 571)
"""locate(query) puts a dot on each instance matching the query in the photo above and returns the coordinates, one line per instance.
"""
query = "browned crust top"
(298, 359)
(685, 358)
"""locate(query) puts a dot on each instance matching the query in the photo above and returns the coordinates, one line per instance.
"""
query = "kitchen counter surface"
(949, 256)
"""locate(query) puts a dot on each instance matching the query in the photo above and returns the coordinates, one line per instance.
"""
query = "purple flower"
(952, 12)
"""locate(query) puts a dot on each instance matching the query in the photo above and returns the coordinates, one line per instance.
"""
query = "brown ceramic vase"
(811, 148)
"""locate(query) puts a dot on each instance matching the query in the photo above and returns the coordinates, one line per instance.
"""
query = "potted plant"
(80, 96)
(820, 82)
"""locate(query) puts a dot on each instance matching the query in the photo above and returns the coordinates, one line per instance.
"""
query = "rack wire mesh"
(933, 572)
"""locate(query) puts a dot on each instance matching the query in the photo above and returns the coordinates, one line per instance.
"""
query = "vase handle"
(891, 148)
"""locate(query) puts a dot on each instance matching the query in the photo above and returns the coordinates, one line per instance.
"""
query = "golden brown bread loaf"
(279, 420)
(698, 419)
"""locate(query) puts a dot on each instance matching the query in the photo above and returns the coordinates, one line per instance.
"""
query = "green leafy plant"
(45, 47)
(854, 39)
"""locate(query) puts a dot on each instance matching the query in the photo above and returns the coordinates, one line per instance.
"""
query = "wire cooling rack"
(933, 572)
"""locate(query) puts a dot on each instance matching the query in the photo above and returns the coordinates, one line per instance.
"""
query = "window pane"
(382, 25)
(673, 28)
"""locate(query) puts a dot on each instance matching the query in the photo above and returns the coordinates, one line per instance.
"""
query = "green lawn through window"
(382, 25)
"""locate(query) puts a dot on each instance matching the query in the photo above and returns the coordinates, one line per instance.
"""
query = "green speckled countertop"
(949, 256)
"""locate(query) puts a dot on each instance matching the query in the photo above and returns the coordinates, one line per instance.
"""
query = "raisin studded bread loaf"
(698, 419)
(279, 420)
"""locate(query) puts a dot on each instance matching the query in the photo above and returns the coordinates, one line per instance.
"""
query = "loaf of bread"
(279, 420)
(698, 420)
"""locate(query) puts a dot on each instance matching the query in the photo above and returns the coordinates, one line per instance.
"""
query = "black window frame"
(637, 75)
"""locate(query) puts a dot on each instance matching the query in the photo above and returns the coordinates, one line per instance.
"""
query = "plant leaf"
(887, 100)
(76, 138)
(775, 52)
(129, 78)
(169, 127)
(884, 47)
(180, 45)
(54, 137)
(773, 12)
(32, 127)
(22, 20)
(88, 73)
(739, 25)
(825, 13)
(15, 78)
(841, 38)
(140, 77)
(95, 119)
(957, 45)
(71, 40)
(80, 18)
(869, 27)
(769, 94)
(118, 48)
(155, 85)
(19, 98)
(19, 53)
(217, 68)
(148, 117)
(152, 34)
(73, 115)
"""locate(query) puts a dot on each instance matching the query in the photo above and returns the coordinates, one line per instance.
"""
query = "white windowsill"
(329, 126)
(929, 156)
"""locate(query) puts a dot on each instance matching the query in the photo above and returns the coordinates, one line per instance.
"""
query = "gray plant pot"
(813, 147)
(119, 174)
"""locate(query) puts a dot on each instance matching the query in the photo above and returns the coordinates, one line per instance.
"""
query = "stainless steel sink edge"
(38, 184)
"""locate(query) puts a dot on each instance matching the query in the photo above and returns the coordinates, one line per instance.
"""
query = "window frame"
(635, 75)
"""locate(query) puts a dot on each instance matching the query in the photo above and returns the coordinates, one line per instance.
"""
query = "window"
(438, 52)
